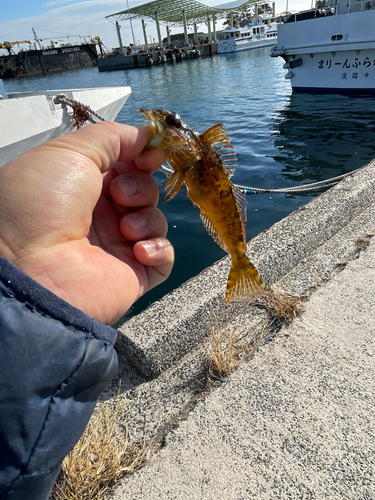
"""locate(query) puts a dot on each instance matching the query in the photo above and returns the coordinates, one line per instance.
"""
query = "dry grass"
(224, 354)
(100, 459)
(281, 305)
(364, 241)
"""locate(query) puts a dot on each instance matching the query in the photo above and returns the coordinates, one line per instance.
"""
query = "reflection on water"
(281, 139)
(318, 137)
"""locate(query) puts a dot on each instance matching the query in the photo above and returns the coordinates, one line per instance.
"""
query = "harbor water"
(281, 139)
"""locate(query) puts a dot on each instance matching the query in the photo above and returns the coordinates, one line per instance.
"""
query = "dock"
(296, 419)
(156, 57)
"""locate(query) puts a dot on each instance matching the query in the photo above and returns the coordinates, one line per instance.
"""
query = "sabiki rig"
(200, 166)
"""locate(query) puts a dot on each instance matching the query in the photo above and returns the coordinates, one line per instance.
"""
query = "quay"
(296, 419)
(155, 57)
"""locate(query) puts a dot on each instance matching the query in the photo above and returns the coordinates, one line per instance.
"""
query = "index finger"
(107, 143)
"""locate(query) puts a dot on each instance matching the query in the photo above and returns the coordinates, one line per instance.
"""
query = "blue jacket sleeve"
(54, 363)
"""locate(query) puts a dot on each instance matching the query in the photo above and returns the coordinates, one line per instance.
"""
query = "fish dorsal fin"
(216, 134)
(212, 231)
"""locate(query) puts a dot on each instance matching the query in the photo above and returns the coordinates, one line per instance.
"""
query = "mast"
(37, 41)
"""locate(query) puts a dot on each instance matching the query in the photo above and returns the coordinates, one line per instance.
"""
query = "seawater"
(282, 139)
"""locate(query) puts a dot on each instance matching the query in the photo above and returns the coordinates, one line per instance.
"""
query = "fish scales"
(223, 207)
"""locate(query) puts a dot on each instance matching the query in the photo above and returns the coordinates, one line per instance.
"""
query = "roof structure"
(169, 12)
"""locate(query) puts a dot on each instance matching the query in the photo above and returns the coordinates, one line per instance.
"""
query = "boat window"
(336, 37)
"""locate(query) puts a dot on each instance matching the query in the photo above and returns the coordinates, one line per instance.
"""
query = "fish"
(206, 173)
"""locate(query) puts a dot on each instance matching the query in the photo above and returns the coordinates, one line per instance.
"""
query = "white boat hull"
(334, 54)
(241, 46)
(31, 118)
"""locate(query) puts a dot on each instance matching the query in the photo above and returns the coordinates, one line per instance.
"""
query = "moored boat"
(259, 33)
(28, 119)
(40, 59)
(331, 48)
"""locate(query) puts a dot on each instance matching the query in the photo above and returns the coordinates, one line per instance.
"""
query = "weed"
(281, 305)
(363, 242)
(224, 353)
(99, 460)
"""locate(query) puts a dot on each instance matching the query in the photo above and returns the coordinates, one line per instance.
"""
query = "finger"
(143, 224)
(136, 189)
(106, 143)
(157, 255)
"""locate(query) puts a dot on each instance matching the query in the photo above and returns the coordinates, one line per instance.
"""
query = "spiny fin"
(216, 134)
(244, 282)
(212, 231)
(241, 201)
(173, 184)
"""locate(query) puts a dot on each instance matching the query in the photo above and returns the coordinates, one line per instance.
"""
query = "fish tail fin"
(244, 282)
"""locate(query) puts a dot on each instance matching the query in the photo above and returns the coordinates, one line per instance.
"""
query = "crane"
(8, 45)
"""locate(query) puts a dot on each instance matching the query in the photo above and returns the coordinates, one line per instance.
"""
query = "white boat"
(330, 49)
(259, 33)
(28, 119)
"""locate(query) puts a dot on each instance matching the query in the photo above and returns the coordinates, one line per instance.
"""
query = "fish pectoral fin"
(212, 230)
(241, 201)
(173, 184)
(216, 134)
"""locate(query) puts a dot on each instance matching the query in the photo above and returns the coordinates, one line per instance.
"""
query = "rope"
(81, 112)
(312, 186)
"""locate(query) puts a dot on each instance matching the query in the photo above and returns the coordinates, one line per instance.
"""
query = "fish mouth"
(154, 116)
(164, 136)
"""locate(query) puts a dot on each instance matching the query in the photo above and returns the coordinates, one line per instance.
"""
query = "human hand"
(78, 215)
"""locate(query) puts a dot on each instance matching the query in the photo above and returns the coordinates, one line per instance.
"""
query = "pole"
(144, 33)
(209, 30)
(168, 37)
(214, 25)
(119, 38)
(195, 33)
(131, 25)
(158, 29)
(185, 28)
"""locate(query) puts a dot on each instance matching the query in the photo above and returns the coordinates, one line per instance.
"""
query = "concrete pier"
(156, 57)
(296, 420)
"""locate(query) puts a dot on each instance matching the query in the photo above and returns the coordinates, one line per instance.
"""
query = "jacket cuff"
(28, 291)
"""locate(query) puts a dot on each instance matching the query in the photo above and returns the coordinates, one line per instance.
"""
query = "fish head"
(171, 133)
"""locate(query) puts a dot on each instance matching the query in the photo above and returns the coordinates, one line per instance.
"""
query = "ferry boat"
(28, 119)
(259, 33)
(330, 48)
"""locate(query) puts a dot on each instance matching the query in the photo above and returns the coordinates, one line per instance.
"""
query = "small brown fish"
(201, 167)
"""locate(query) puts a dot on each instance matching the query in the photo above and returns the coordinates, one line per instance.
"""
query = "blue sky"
(54, 18)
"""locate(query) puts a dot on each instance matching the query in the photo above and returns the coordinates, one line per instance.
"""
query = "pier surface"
(296, 420)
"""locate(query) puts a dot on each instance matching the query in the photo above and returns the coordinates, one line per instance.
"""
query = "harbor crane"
(8, 45)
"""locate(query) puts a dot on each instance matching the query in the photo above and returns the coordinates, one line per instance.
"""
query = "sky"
(54, 18)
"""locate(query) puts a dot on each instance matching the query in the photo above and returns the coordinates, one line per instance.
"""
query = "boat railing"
(330, 8)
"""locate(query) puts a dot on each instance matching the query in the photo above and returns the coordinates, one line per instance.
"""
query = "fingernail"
(127, 186)
(137, 222)
(150, 247)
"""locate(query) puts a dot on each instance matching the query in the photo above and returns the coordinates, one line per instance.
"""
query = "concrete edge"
(170, 328)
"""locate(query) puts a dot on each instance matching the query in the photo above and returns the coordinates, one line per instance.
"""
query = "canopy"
(169, 12)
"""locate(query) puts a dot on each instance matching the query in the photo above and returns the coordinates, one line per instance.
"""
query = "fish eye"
(173, 120)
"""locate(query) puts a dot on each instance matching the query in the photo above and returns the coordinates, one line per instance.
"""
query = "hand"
(78, 215)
